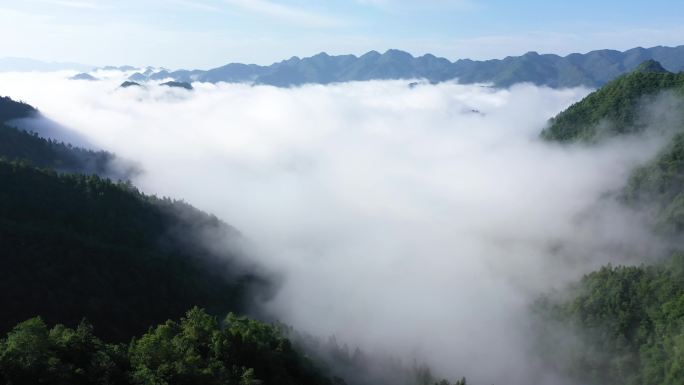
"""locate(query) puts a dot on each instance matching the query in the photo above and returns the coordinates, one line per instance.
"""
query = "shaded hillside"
(16, 144)
(613, 109)
(79, 246)
(10, 109)
(92, 248)
(592, 69)
(19, 145)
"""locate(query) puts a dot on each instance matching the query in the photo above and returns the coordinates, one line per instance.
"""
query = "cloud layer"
(420, 220)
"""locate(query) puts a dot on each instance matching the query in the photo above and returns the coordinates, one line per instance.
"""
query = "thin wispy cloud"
(286, 13)
(196, 5)
(395, 5)
(76, 4)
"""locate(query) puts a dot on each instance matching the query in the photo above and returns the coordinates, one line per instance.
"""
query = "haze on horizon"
(210, 33)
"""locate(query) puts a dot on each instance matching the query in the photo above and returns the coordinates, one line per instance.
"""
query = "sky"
(209, 33)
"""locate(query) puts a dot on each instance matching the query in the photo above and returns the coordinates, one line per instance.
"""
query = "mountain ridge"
(591, 69)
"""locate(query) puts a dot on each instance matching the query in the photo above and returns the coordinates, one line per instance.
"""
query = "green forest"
(629, 319)
(614, 108)
(198, 349)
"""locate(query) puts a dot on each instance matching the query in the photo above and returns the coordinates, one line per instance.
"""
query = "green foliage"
(659, 186)
(196, 350)
(613, 109)
(76, 245)
(629, 322)
(34, 354)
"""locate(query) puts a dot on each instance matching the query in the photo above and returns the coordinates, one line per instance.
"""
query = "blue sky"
(208, 33)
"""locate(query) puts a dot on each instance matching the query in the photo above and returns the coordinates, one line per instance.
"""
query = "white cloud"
(582, 39)
(197, 5)
(76, 4)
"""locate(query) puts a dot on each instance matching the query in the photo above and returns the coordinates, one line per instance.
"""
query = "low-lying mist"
(415, 221)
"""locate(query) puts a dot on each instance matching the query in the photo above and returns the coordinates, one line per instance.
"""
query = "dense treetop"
(198, 350)
(614, 108)
(620, 325)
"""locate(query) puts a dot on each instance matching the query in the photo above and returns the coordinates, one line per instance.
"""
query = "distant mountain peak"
(84, 76)
(174, 84)
(127, 84)
(398, 54)
(370, 54)
(137, 77)
(651, 66)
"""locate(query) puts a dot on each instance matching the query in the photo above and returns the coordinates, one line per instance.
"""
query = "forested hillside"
(17, 144)
(77, 245)
(658, 187)
(625, 324)
(619, 325)
(614, 109)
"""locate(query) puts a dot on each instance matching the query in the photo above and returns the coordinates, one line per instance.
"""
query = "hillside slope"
(95, 249)
(19, 145)
(76, 245)
(614, 109)
(624, 324)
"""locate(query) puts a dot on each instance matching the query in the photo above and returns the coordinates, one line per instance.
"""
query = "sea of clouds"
(420, 221)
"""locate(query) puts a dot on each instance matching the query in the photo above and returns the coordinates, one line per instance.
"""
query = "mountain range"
(592, 69)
